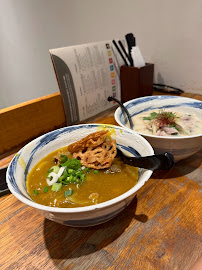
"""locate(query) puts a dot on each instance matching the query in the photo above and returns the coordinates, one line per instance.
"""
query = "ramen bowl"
(128, 141)
(180, 146)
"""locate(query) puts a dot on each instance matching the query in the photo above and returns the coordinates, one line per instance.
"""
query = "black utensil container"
(136, 82)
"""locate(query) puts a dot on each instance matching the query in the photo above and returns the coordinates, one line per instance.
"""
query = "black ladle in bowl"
(124, 109)
(163, 161)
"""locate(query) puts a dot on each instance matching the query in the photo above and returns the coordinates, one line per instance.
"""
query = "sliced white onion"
(55, 176)
(61, 170)
(53, 180)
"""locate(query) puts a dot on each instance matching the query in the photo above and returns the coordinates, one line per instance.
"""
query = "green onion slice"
(35, 192)
(54, 169)
(64, 158)
(68, 192)
(45, 190)
(56, 187)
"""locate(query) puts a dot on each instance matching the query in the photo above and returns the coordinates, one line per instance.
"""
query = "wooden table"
(160, 229)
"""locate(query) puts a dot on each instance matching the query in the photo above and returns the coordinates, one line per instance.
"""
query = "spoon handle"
(110, 98)
(163, 161)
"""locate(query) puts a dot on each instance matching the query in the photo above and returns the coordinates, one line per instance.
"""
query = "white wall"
(169, 34)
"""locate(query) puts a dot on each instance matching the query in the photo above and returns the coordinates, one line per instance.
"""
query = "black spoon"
(124, 108)
(163, 161)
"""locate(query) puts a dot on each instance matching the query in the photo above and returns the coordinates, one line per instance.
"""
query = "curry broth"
(97, 188)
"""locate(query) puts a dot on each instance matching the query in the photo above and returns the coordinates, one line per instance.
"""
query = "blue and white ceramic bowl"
(130, 142)
(181, 147)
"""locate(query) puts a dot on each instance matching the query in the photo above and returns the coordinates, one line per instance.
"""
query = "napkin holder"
(136, 82)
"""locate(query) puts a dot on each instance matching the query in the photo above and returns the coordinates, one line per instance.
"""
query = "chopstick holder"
(136, 82)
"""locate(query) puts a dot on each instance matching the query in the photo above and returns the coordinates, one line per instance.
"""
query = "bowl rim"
(118, 110)
(106, 204)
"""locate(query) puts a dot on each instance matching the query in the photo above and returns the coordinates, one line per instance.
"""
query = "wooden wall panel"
(23, 122)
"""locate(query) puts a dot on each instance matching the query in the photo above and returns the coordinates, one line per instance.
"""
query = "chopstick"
(119, 51)
(129, 57)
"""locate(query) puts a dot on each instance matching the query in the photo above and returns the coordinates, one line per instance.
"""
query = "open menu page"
(87, 74)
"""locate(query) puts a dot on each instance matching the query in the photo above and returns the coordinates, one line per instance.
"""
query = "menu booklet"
(87, 74)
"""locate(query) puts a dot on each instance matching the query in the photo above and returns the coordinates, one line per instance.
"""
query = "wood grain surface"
(25, 121)
(160, 229)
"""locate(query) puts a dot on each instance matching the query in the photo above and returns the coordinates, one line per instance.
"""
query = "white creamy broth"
(168, 122)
